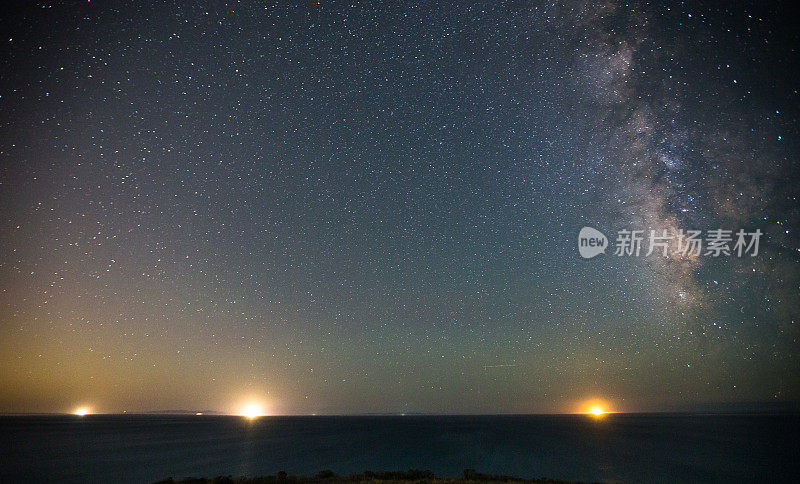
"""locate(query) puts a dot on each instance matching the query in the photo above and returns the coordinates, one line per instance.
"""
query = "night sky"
(374, 207)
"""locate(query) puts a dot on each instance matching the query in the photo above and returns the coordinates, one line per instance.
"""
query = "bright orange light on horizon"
(597, 411)
(595, 407)
(81, 411)
(252, 411)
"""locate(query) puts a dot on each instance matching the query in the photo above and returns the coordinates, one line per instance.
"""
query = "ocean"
(616, 448)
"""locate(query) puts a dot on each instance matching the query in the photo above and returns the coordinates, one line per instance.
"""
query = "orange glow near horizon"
(595, 407)
(81, 411)
(252, 411)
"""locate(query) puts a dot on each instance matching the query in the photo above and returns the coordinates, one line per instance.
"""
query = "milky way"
(375, 208)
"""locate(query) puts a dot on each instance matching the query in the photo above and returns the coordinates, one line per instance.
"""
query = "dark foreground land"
(329, 477)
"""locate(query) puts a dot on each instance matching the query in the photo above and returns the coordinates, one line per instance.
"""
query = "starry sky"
(344, 208)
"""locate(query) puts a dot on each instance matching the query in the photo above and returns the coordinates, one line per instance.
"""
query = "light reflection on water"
(631, 448)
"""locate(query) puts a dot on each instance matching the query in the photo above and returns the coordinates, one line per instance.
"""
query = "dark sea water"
(628, 448)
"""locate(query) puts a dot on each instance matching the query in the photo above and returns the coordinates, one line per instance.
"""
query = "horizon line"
(212, 413)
